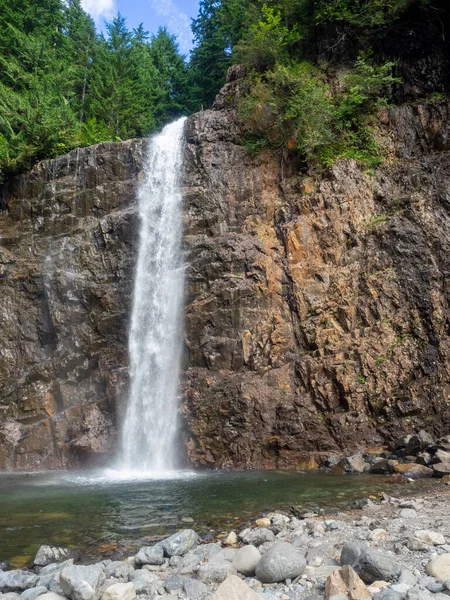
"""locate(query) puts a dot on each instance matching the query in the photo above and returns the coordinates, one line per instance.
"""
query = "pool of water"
(101, 512)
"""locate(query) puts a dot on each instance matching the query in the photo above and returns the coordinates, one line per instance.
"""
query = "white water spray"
(150, 428)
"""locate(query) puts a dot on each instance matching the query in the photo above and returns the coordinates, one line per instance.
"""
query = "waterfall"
(150, 427)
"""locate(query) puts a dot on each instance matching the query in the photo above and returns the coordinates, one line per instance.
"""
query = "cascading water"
(150, 427)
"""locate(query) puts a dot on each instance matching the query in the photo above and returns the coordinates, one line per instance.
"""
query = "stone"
(378, 535)
(431, 538)
(180, 543)
(439, 567)
(353, 464)
(33, 593)
(258, 536)
(16, 581)
(120, 570)
(80, 582)
(408, 577)
(151, 555)
(263, 522)
(47, 555)
(370, 564)
(120, 591)
(407, 513)
(345, 581)
(231, 539)
(49, 576)
(52, 596)
(216, 573)
(173, 583)
(416, 544)
(282, 561)
(146, 583)
(441, 469)
(414, 471)
(389, 594)
(195, 590)
(279, 523)
(234, 588)
(246, 560)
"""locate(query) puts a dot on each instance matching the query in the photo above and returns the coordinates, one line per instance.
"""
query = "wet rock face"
(316, 309)
(66, 262)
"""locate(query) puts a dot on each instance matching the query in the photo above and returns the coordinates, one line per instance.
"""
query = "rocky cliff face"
(68, 232)
(317, 309)
(316, 313)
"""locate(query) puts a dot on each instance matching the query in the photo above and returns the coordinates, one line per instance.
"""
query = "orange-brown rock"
(344, 581)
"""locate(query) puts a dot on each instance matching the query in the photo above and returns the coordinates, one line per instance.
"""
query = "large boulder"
(439, 567)
(47, 555)
(80, 582)
(441, 469)
(49, 576)
(353, 464)
(371, 565)
(246, 560)
(16, 581)
(282, 561)
(234, 588)
(179, 543)
(346, 582)
(257, 536)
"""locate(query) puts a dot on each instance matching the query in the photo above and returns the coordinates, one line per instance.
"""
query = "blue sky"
(174, 14)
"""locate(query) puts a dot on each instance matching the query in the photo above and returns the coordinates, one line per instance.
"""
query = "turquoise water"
(99, 513)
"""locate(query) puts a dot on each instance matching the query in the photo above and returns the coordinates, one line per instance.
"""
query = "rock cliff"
(68, 232)
(316, 315)
(317, 309)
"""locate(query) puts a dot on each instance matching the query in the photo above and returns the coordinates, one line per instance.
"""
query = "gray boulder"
(215, 573)
(47, 555)
(33, 593)
(257, 536)
(282, 561)
(371, 565)
(79, 582)
(49, 576)
(145, 582)
(246, 559)
(180, 543)
(120, 569)
(119, 591)
(195, 590)
(16, 581)
(150, 555)
(389, 594)
(353, 464)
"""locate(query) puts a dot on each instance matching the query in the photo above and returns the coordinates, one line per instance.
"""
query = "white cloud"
(99, 9)
(177, 22)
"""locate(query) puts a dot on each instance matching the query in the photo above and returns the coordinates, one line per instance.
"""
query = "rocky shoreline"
(390, 548)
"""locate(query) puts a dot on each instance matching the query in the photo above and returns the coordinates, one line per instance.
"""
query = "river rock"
(47, 555)
(234, 588)
(120, 591)
(49, 576)
(33, 593)
(231, 539)
(52, 596)
(353, 464)
(80, 582)
(371, 565)
(263, 522)
(194, 589)
(16, 581)
(441, 469)
(216, 573)
(146, 583)
(282, 561)
(151, 555)
(180, 543)
(345, 581)
(246, 559)
(431, 538)
(120, 569)
(414, 471)
(439, 567)
(257, 536)
(378, 535)
(407, 513)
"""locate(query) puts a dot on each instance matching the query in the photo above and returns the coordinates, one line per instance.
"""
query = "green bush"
(296, 106)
